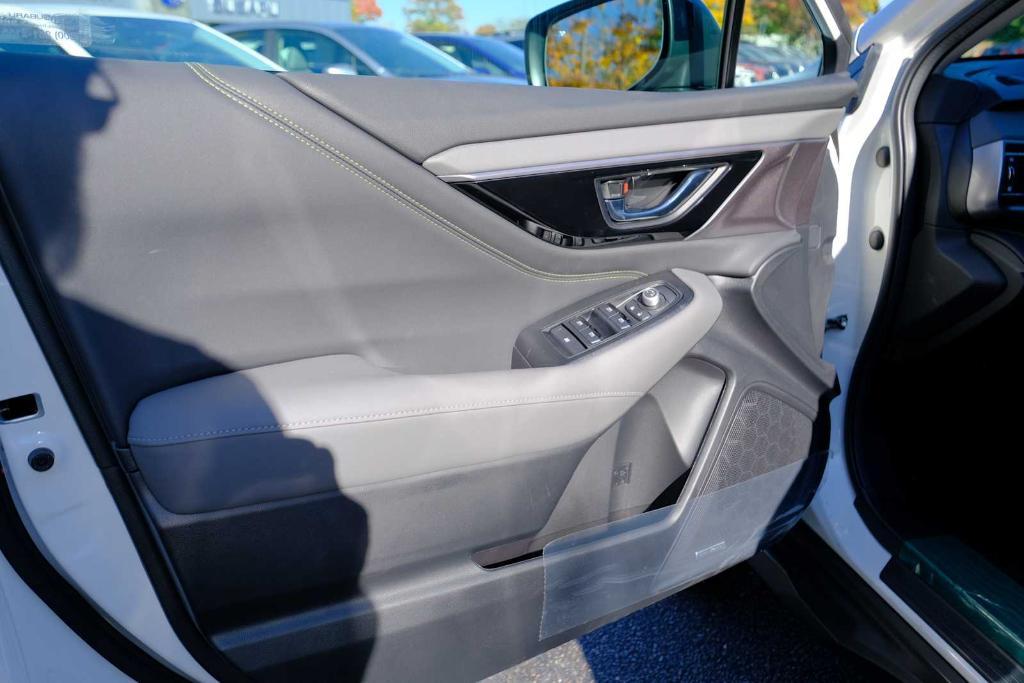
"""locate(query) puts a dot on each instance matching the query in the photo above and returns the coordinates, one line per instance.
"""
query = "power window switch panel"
(564, 338)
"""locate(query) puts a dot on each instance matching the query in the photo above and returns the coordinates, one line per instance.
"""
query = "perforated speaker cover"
(765, 434)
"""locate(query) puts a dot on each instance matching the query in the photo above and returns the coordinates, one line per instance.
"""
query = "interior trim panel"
(505, 155)
(354, 401)
(422, 118)
(245, 437)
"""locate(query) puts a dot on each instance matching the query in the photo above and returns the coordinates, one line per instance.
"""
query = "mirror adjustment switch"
(650, 297)
(566, 341)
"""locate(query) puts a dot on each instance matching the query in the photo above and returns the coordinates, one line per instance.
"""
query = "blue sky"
(476, 12)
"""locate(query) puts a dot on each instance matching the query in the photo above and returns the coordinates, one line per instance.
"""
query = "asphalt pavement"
(730, 628)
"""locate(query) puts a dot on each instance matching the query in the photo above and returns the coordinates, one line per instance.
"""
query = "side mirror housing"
(625, 45)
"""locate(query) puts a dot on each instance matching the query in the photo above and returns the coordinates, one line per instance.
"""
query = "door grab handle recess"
(691, 190)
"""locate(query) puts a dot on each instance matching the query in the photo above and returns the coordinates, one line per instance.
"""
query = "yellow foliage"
(610, 46)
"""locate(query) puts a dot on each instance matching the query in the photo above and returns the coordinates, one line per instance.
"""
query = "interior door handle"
(627, 201)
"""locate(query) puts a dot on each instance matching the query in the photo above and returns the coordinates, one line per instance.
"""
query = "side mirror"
(340, 70)
(625, 44)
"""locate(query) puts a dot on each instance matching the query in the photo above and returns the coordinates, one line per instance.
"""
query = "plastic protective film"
(602, 570)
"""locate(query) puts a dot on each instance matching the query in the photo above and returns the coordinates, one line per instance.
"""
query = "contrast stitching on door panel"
(381, 417)
(339, 158)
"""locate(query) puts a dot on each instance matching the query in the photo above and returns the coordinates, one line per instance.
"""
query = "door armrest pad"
(251, 436)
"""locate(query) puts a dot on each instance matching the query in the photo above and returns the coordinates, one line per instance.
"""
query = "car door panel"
(422, 118)
(301, 339)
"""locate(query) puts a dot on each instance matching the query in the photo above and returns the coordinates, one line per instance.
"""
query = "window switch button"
(619, 321)
(579, 326)
(591, 337)
(564, 338)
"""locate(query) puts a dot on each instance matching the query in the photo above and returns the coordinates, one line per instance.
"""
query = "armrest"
(318, 424)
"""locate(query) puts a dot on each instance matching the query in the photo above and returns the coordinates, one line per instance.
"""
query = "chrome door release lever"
(622, 198)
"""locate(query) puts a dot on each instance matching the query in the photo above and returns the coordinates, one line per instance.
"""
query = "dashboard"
(982, 100)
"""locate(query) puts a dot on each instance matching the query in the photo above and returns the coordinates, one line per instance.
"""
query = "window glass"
(254, 40)
(309, 51)
(108, 34)
(1006, 42)
(779, 42)
(473, 59)
(484, 54)
(402, 54)
(613, 46)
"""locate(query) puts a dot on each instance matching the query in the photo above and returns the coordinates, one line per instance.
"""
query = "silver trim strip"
(592, 147)
(610, 162)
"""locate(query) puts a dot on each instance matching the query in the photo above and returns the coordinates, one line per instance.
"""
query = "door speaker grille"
(766, 433)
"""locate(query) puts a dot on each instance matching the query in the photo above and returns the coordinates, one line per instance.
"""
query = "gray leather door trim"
(505, 155)
(218, 442)
(421, 118)
(382, 185)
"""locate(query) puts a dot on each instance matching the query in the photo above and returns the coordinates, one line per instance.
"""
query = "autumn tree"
(433, 15)
(1011, 32)
(596, 48)
(859, 10)
(790, 20)
(486, 30)
(365, 10)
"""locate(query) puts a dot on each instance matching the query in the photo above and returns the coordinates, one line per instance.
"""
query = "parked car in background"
(1010, 49)
(483, 54)
(352, 50)
(86, 31)
(760, 63)
(517, 38)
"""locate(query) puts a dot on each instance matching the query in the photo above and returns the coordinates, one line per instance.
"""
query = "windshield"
(162, 41)
(402, 55)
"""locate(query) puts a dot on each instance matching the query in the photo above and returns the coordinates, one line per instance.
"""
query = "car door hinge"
(837, 323)
(124, 456)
